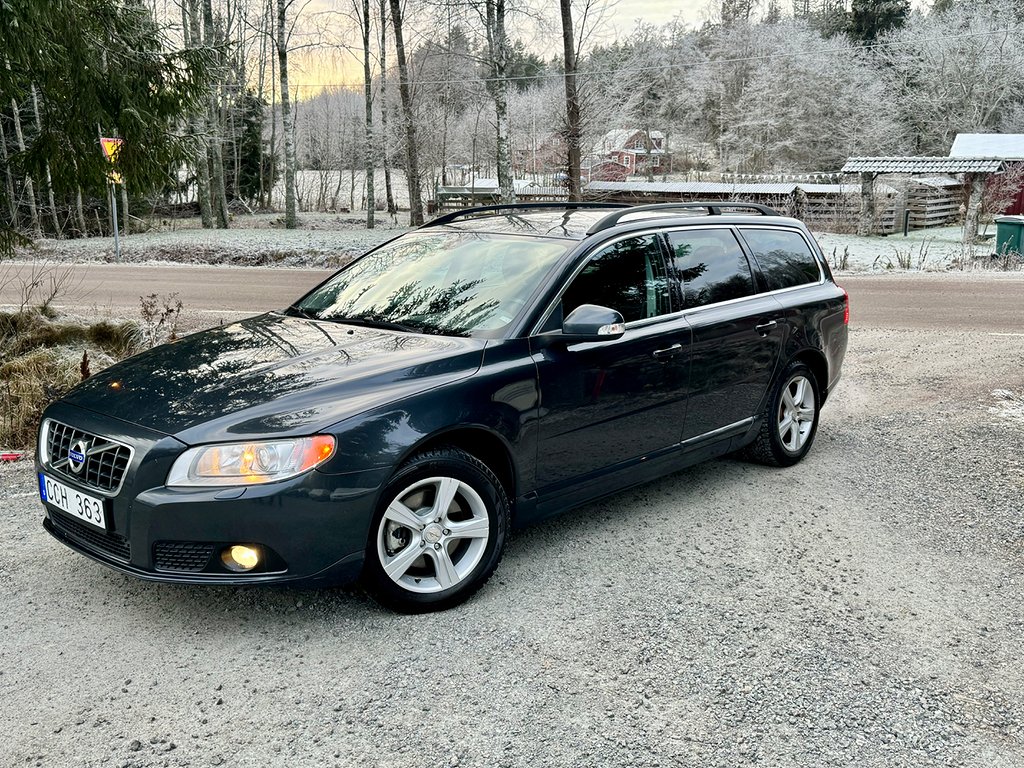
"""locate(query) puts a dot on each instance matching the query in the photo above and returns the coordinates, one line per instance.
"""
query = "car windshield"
(450, 283)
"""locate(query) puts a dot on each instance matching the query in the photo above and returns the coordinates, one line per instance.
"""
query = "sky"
(315, 70)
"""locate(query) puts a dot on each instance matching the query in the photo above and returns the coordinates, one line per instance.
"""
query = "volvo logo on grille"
(76, 456)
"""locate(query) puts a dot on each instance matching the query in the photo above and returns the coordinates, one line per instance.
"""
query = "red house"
(638, 152)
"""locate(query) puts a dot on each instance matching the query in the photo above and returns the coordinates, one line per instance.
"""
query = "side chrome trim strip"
(735, 427)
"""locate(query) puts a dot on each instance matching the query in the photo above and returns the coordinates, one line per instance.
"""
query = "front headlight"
(263, 461)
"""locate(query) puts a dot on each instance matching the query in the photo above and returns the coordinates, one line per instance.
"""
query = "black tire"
(777, 444)
(437, 558)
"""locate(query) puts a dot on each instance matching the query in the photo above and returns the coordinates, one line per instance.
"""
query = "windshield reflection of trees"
(444, 283)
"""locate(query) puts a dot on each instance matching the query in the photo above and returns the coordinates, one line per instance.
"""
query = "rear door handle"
(661, 354)
(765, 328)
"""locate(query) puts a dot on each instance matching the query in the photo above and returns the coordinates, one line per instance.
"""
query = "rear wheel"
(439, 533)
(790, 420)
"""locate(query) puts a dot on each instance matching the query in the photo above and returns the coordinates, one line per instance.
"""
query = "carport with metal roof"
(975, 170)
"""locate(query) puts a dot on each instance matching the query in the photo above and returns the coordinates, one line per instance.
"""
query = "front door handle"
(765, 328)
(662, 354)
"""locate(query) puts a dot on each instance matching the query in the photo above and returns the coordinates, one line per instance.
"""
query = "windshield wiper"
(300, 312)
(369, 322)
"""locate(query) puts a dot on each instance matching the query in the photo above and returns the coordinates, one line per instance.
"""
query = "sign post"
(111, 148)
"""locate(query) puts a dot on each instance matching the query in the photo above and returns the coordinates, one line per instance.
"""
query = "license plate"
(81, 505)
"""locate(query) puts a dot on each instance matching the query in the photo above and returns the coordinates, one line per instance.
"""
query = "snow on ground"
(324, 240)
(935, 249)
(331, 240)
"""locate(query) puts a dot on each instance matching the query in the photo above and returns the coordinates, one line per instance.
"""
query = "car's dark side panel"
(733, 363)
(608, 402)
(500, 401)
(813, 316)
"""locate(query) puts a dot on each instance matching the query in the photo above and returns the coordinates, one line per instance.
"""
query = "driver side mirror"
(589, 322)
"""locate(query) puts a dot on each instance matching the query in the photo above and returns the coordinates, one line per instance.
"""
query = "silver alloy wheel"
(433, 534)
(795, 418)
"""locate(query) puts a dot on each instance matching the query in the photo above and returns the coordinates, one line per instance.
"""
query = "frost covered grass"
(937, 249)
(324, 240)
(330, 241)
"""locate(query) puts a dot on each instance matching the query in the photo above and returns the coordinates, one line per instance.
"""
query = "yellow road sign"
(111, 148)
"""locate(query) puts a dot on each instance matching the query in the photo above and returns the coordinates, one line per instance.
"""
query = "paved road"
(991, 302)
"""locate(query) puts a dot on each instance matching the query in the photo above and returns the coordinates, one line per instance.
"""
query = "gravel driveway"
(862, 609)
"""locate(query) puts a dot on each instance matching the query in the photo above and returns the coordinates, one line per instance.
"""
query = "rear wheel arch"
(816, 361)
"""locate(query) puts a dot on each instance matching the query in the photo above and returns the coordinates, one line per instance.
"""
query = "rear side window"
(627, 276)
(784, 257)
(708, 266)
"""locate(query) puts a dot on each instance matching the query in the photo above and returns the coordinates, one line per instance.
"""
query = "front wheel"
(438, 534)
(790, 419)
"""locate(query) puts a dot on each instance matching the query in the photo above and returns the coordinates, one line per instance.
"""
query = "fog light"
(240, 558)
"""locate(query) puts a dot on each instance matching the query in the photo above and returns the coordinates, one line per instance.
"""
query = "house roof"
(1008, 146)
(719, 188)
(691, 187)
(617, 138)
(931, 165)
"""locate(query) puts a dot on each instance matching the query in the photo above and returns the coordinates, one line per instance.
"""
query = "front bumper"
(311, 529)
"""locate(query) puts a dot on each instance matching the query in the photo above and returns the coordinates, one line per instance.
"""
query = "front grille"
(105, 461)
(87, 536)
(182, 555)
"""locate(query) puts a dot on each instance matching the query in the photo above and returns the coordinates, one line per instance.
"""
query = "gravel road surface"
(862, 609)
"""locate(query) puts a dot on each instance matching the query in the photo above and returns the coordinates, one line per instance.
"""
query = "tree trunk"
(866, 225)
(499, 54)
(80, 213)
(124, 208)
(30, 188)
(573, 130)
(368, 101)
(214, 128)
(273, 108)
(12, 208)
(977, 182)
(388, 191)
(49, 177)
(412, 170)
(291, 219)
(197, 128)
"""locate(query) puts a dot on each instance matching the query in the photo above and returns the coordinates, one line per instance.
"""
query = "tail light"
(846, 307)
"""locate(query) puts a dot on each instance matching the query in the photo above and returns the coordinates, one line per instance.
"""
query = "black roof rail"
(464, 212)
(713, 208)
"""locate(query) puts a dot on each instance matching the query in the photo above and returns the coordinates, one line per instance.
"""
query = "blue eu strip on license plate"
(42, 487)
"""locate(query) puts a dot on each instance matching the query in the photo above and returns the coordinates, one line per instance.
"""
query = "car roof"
(572, 223)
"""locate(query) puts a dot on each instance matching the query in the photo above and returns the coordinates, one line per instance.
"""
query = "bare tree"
(389, 193)
(573, 118)
(214, 130)
(411, 160)
(498, 51)
(191, 29)
(363, 16)
(291, 220)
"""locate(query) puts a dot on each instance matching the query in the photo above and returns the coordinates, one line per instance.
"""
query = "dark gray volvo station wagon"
(489, 369)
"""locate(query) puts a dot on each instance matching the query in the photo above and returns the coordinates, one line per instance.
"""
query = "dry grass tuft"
(42, 358)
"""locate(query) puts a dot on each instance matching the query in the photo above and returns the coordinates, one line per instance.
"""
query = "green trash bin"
(1009, 236)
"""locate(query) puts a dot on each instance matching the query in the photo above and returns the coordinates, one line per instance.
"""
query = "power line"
(692, 65)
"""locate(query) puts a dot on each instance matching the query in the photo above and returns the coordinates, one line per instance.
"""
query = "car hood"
(272, 375)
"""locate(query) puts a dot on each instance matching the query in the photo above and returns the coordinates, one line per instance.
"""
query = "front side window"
(708, 267)
(449, 283)
(627, 276)
(784, 257)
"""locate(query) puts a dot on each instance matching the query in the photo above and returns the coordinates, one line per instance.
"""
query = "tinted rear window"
(709, 266)
(784, 257)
